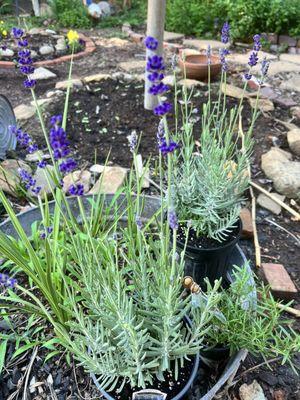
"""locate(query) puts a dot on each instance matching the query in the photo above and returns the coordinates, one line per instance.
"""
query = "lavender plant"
(210, 179)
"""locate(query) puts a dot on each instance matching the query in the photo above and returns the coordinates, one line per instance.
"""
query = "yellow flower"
(1, 22)
(4, 33)
(72, 36)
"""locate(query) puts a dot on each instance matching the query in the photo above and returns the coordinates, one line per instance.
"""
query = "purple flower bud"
(225, 33)
(253, 59)
(76, 190)
(208, 54)
(247, 76)
(68, 165)
(155, 63)
(29, 83)
(139, 222)
(8, 282)
(42, 164)
(257, 43)
(155, 77)
(223, 53)
(173, 222)
(265, 67)
(159, 88)
(151, 43)
(132, 140)
(166, 148)
(17, 33)
(163, 108)
(23, 43)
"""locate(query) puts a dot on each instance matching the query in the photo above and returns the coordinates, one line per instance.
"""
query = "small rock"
(44, 181)
(6, 53)
(41, 102)
(83, 177)
(9, 176)
(233, 91)
(279, 394)
(251, 392)
(110, 181)
(277, 67)
(293, 138)
(61, 47)
(268, 92)
(46, 50)
(285, 39)
(63, 85)
(172, 36)
(284, 101)
(285, 174)
(52, 93)
(292, 83)
(295, 111)
(24, 112)
(96, 78)
(290, 58)
(190, 83)
(247, 226)
(36, 156)
(42, 73)
(132, 65)
(35, 31)
(97, 168)
(34, 54)
(279, 280)
(269, 204)
(50, 32)
(264, 105)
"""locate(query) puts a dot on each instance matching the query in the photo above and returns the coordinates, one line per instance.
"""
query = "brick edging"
(89, 48)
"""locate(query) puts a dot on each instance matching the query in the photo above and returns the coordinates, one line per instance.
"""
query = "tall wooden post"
(36, 7)
(155, 28)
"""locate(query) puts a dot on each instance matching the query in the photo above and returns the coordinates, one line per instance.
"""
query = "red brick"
(247, 226)
(279, 280)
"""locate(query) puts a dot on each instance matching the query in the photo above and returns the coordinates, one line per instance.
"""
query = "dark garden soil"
(101, 116)
(36, 41)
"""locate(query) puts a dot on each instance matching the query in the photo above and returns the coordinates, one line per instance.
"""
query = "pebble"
(46, 50)
(266, 202)
(42, 73)
(251, 392)
(6, 53)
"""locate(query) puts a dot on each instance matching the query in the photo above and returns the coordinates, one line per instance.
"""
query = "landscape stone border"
(89, 48)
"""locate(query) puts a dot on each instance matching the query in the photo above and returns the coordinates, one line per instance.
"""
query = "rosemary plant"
(255, 324)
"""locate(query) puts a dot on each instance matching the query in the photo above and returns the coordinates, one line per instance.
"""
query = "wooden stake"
(290, 310)
(155, 28)
(281, 203)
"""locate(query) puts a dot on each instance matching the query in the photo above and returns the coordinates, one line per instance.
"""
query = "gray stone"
(292, 83)
(96, 77)
(35, 31)
(269, 204)
(9, 175)
(295, 111)
(172, 36)
(277, 67)
(293, 137)
(251, 392)
(34, 54)
(44, 180)
(46, 50)
(41, 102)
(284, 39)
(24, 112)
(50, 32)
(64, 84)
(42, 73)
(190, 83)
(264, 105)
(61, 47)
(6, 53)
(285, 174)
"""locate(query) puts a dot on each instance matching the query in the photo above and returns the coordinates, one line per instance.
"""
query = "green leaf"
(3, 347)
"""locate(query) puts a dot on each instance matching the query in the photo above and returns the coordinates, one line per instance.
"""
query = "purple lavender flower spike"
(29, 83)
(76, 189)
(151, 43)
(225, 33)
(247, 76)
(208, 54)
(265, 67)
(155, 63)
(163, 109)
(67, 165)
(155, 77)
(17, 33)
(173, 221)
(159, 88)
(257, 43)
(58, 139)
(30, 183)
(166, 148)
(160, 132)
(132, 140)
(42, 164)
(253, 59)
(223, 53)
(8, 282)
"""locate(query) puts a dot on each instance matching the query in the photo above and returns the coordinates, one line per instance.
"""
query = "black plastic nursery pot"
(151, 206)
(211, 263)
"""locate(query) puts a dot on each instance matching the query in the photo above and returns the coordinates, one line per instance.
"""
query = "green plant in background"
(71, 13)
(246, 17)
(6, 6)
(253, 323)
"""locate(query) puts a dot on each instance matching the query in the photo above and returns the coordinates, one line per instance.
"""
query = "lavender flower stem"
(66, 106)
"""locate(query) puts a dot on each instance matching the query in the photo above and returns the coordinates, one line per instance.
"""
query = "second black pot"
(212, 263)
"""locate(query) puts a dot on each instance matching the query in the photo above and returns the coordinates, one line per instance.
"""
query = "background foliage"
(246, 17)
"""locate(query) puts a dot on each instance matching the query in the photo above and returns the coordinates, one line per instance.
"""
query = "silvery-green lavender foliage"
(133, 326)
(211, 178)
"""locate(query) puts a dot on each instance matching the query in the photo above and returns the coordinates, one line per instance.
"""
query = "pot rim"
(210, 249)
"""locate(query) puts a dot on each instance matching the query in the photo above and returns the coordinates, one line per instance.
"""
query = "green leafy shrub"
(6, 7)
(246, 17)
(71, 13)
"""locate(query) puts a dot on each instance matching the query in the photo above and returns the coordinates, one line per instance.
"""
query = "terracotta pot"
(195, 66)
